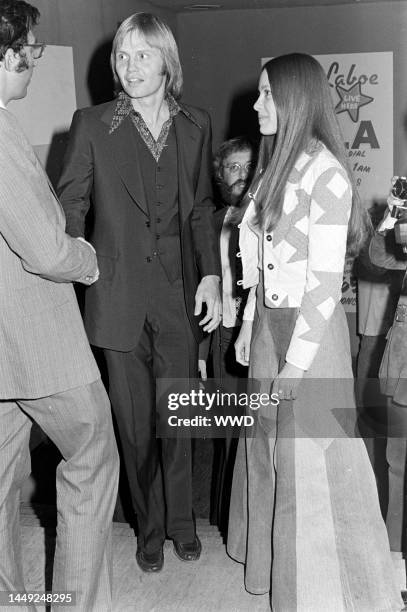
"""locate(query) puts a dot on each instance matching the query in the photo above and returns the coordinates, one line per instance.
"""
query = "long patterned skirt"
(304, 516)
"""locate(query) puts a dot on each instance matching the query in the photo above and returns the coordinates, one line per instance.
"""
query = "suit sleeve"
(75, 184)
(30, 221)
(205, 239)
(330, 206)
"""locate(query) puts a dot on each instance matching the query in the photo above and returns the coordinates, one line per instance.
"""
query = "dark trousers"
(373, 416)
(388, 455)
(232, 377)
(159, 470)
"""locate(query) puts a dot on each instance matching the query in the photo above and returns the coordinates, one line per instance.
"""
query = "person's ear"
(11, 60)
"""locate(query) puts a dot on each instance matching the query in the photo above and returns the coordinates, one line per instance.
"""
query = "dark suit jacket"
(101, 172)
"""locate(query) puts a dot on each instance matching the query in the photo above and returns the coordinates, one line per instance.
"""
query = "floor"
(214, 583)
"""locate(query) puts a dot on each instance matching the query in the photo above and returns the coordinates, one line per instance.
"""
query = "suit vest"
(160, 181)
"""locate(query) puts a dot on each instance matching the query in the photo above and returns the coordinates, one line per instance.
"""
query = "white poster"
(362, 91)
(51, 99)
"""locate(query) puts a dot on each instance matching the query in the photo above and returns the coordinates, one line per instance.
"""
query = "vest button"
(147, 223)
(270, 266)
(268, 237)
(274, 296)
(148, 259)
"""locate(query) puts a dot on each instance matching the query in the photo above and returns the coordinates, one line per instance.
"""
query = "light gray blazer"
(43, 345)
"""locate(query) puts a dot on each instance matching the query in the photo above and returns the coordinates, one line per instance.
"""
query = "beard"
(233, 194)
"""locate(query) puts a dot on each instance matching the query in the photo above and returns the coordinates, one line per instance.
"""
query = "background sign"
(362, 91)
(51, 100)
(45, 114)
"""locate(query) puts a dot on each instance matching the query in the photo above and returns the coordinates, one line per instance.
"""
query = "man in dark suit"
(143, 162)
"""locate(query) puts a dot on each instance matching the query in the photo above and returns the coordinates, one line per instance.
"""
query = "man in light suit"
(47, 371)
(143, 164)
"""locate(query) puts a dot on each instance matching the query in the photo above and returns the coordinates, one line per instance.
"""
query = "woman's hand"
(242, 344)
(286, 384)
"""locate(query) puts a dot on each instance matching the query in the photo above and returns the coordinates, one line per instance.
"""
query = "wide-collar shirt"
(124, 108)
(303, 257)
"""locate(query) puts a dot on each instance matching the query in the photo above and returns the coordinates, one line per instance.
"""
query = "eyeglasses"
(37, 49)
(237, 168)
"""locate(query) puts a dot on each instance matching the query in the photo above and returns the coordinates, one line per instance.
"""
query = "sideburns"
(23, 63)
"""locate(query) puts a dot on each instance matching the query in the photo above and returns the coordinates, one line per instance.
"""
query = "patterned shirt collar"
(124, 108)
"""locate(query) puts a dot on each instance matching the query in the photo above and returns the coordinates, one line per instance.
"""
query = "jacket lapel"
(188, 142)
(123, 151)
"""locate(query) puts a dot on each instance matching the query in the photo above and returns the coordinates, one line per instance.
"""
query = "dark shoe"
(150, 562)
(190, 551)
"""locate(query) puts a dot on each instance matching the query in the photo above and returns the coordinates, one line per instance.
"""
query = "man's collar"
(124, 108)
(2, 105)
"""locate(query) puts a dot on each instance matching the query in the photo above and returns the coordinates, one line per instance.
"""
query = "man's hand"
(287, 382)
(89, 279)
(242, 344)
(208, 292)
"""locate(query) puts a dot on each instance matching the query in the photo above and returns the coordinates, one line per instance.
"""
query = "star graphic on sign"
(351, 100)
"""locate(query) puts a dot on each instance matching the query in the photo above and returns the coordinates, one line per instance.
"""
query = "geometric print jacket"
(302, 259)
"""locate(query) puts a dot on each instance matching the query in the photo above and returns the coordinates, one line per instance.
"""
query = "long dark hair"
(305, 112)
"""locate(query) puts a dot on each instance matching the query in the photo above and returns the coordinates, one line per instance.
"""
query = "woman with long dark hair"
(305, 517)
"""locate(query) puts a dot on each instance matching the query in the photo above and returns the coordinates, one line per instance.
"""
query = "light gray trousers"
(79, 423)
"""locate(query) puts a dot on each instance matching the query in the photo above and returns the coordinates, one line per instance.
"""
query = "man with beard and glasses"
(232, 165)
